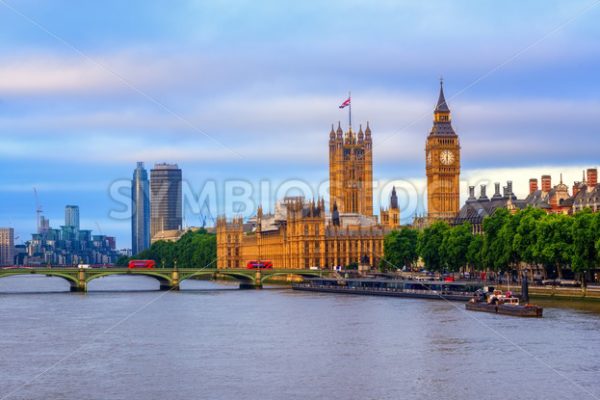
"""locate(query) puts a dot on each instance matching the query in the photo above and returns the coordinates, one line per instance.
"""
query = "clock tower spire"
(442, 152)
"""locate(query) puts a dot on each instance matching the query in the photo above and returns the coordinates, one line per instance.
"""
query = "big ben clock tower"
(442, 152)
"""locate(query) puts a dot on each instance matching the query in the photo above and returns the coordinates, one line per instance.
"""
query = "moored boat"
(453, 291)
(496, 302)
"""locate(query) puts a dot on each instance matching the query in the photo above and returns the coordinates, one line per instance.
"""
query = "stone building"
(442, 153)
(390, 217)
(477, 208)
(351, 170)
(586, 194)
(302, 234)
(552, 199)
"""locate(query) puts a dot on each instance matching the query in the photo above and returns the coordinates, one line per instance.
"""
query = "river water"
(212, 341)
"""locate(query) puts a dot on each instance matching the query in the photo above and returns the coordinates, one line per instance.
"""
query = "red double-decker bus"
(142, 264)
(255, 264)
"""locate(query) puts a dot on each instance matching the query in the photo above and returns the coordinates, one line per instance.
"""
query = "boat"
(496, 302)
(453, 291)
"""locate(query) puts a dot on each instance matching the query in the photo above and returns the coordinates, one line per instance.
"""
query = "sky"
(242, 94)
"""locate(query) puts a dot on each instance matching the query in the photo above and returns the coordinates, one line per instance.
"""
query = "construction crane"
(38, 211)
(203, 216)
(99, 228)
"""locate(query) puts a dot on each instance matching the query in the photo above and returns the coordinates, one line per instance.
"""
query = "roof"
(475, 211)
(442, 106)
(442, 128)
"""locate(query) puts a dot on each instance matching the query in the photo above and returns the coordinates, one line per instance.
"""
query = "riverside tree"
(195, 249)
(455, 246)
(554, 242)
(400, 248)
(585, 238)
(430, 246)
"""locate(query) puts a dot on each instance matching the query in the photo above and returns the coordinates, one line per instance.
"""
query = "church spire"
(442, 106)
(441, 115)
(394, 199)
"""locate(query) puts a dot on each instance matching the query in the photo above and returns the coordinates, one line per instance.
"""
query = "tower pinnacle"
(442, 106)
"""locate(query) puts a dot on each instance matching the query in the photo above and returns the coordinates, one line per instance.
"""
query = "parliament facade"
(302, 233)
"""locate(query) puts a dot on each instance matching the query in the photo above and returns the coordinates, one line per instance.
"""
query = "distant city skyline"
(248, 91)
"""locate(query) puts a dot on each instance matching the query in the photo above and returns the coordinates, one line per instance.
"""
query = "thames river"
(213, 341)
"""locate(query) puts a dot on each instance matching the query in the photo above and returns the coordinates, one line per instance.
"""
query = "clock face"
(447, 157)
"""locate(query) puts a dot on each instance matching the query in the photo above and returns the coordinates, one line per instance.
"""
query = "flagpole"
(350, 110)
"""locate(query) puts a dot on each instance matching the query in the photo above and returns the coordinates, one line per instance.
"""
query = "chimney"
(592, 177)
(546, 183)
(576, 188)
(471, 193)
(533, 185)
(505, 192)
(509, 188)
(483, 196)
(497, 194)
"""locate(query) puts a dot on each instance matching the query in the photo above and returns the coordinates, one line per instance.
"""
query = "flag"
(345, 103)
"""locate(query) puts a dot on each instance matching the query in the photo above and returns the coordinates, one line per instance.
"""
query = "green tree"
(456, 245)
(474, 253)
(195, 249)
(525, 237)
(554, 246)
(122, 261)
(585, 256)
(400, 248)
(430, 245)
(495, 254)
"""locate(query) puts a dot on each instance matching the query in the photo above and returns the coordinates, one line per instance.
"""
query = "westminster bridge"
(169, 278)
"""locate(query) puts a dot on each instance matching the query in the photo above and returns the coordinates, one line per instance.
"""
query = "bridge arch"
(164, 280)
(71, 279)
(302, 274)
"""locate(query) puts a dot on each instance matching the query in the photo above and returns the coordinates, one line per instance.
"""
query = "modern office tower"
(140, 210)
(165, 198)
(72, 217)
(7, 246)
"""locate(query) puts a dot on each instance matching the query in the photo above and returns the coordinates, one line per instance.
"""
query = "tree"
(554, 246)
(122, 261)
(195, 249)
(456, 245)
(494, 251)
(585, 256)
(430, 245)
(525, 238)
(400, 248)
(474, 253)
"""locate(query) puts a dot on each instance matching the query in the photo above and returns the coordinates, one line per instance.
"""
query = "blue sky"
(247, 90)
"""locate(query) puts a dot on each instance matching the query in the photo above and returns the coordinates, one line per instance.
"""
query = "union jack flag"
(345, 103)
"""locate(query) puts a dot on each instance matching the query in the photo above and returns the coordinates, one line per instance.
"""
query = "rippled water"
(216, 342)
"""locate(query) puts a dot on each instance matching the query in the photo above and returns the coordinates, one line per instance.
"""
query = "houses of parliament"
(301, 233)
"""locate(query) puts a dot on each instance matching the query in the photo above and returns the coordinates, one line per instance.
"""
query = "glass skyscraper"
(72, 217)
(140, 210)
(166, 198)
